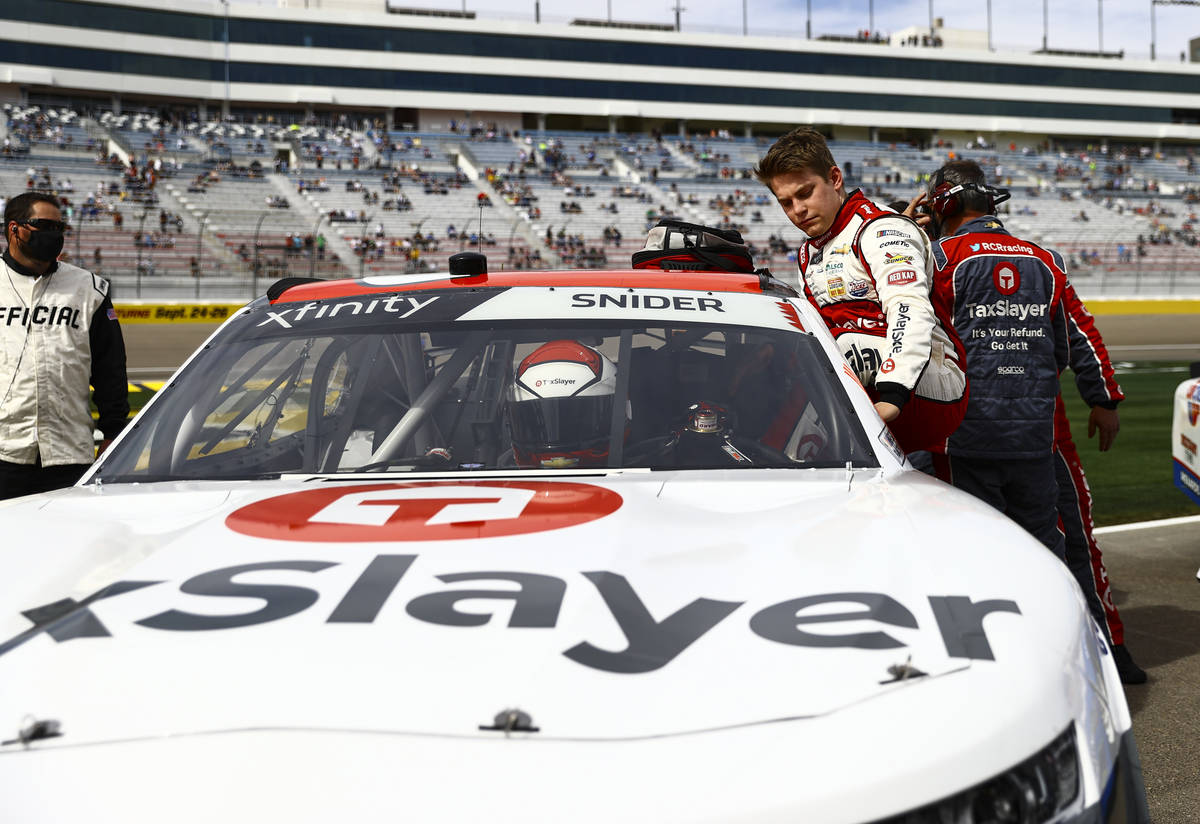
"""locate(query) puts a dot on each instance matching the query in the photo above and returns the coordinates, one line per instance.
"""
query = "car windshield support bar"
(616, 435)
(419, 411)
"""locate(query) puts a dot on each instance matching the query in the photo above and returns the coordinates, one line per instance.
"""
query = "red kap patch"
(424, 511)
(1006, 278)
(902, 277)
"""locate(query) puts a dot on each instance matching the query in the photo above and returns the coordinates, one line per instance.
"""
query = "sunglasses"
(44, 224)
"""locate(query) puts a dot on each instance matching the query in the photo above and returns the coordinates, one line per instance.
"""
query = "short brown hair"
(20, 207)
(801, 149)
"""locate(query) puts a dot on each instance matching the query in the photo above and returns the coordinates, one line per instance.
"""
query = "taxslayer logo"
(431, 511)
(1006, 278)
(902, 277)
(1005, 309)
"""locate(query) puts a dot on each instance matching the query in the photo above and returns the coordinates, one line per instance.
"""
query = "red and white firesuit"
(870, 276)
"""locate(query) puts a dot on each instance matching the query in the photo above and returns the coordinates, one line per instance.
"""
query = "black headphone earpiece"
(945, 201)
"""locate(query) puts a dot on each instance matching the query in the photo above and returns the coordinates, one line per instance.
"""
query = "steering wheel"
(649, 450)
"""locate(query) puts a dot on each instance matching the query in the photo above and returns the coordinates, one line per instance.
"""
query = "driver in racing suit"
(868, 271)
(559, 406)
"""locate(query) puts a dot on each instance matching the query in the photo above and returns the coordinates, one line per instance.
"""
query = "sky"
(1017, 25)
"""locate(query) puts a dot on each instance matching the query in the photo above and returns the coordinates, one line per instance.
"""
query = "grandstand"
(296, 171)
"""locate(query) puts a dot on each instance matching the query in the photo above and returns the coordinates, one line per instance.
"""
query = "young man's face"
(810, 201)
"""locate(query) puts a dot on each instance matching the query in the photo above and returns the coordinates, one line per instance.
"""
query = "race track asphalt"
(1152, 569)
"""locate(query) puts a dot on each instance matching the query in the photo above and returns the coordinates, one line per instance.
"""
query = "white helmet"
(560, 406)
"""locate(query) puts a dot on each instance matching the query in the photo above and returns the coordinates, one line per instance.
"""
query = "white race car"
(624, 546)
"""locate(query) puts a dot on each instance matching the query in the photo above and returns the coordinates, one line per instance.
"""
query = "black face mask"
(44, 246)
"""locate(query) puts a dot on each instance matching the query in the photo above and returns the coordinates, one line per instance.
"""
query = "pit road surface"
(1152, 569)
(1153, 573)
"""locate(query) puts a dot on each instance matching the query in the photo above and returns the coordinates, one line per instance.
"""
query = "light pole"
(1153, 3)
(989, 16)
(225, 3)
(870, 18)
(808, 20)
(1045, 25)
(1100, 26)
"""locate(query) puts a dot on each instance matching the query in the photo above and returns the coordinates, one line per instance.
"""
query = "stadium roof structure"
(245, 55)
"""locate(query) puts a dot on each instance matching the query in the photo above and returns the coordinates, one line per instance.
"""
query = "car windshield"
(441, 391)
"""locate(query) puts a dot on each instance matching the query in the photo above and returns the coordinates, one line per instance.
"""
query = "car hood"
(590, 607)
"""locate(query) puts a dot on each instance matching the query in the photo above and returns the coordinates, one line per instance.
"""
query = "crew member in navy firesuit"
(1006, 305)
(58, 334)
(1096, 381)
(868, 272)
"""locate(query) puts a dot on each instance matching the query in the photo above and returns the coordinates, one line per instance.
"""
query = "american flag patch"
(112, 313)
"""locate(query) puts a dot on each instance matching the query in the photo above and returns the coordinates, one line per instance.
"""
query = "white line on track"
(1187, 519)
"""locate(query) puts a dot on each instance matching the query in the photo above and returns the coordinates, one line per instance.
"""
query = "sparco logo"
(1010, 370)
(1005, 309)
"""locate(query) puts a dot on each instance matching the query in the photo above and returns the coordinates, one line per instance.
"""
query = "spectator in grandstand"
(1003, 453)
(62, 336)
(868, 272)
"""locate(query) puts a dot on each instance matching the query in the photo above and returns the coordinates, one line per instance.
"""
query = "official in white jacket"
(58, 335)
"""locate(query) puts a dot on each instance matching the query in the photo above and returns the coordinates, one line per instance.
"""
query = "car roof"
(305, 289)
